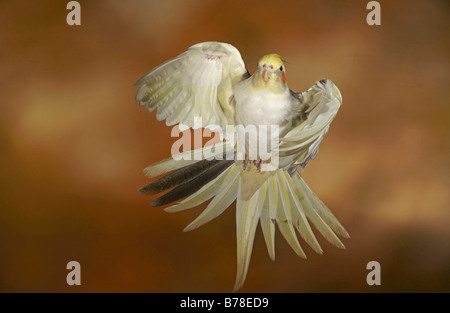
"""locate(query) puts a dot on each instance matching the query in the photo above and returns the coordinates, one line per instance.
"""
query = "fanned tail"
(290, 203)
(272, 198)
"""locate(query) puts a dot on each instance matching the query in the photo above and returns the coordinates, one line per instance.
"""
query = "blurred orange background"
(73, 143)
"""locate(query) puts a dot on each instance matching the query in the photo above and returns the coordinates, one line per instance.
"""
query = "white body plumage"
(262, 106)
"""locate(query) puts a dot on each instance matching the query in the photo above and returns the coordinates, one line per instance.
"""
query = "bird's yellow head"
(270, 73)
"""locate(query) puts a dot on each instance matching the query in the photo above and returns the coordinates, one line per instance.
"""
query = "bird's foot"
(245, 161)
(257, 163)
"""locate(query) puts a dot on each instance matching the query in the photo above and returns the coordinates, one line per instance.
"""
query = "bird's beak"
(266, 73)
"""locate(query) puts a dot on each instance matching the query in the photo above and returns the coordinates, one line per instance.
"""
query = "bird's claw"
(257, 163)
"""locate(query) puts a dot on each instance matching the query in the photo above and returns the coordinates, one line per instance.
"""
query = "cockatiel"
(210, 81)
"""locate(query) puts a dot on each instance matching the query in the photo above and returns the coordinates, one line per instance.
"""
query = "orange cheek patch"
(283, 77)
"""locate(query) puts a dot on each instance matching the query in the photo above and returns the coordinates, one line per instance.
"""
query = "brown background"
(73, 145)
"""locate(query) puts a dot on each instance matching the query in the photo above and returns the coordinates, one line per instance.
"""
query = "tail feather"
(187, 158)
(220, 202)
(299, 217)
(267, 221)
(205, 193)
(321, 208)
(165, 166)
(321, 225)
(247, 215)
(284, 218)
(195, 184)
(177, 177)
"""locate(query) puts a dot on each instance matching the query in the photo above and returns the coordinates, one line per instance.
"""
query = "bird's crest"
(271, 59)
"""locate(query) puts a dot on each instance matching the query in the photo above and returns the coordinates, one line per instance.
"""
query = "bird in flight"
(208, 86)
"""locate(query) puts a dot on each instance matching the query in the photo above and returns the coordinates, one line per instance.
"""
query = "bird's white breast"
(256, 107)
(260, 106)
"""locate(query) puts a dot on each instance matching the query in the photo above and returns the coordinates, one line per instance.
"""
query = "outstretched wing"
(197, 83)
(319, 105)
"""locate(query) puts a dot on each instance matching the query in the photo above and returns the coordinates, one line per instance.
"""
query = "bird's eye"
(281, 68)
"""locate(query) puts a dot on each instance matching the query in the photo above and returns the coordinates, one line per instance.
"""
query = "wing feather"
(320, 104)
(188, 86)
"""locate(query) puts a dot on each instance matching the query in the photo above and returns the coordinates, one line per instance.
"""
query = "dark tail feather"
(177, 177)
(191, 186)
